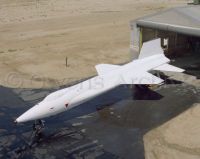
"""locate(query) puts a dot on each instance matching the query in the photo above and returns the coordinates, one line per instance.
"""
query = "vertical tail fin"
(150, 48)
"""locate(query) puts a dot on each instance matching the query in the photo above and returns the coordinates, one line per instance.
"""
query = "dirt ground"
(178, 138)
(37, 37)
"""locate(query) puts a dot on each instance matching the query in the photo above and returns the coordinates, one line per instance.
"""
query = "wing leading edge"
(105, 68)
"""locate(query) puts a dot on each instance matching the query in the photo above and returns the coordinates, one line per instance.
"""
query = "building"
(196, 2)
(178, 28)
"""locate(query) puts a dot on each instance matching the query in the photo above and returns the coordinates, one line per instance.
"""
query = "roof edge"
(168, 27)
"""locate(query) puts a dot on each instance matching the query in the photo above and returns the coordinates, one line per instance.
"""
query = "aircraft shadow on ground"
(190, 63)
(193, 69)
(167, 80)
(154, 109)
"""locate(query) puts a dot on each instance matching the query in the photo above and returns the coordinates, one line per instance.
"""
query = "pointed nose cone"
(27, 116)
(35, 113)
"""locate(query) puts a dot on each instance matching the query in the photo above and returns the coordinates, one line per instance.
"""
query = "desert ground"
(36, 38)
(38, 35)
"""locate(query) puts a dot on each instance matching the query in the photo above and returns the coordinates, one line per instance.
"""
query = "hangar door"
(174, 44)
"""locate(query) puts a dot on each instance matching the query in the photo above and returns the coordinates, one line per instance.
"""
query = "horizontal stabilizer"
(168, 67)
(105, 68)
(143, 78)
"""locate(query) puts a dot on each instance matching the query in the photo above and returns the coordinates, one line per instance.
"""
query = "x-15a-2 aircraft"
(109, 76)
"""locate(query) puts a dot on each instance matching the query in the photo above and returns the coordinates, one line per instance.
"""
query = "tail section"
(151, 48)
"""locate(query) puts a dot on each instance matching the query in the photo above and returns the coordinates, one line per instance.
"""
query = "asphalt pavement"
(109, 126)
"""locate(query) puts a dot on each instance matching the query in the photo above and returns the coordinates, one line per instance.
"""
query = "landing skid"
(37, 134)
(38, 127)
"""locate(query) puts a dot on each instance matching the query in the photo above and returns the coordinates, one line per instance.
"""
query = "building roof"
(184, 20)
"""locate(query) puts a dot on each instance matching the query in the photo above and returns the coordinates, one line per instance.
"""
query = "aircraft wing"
(139, 78)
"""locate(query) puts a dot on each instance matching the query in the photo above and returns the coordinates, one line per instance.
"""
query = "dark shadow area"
(141, 92)
(190, 63)
(193, 69)
(137, 112)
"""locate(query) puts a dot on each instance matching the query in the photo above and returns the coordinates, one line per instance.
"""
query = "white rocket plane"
(109, 76)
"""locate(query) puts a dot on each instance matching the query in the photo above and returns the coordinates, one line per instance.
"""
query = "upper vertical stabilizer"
(151, 48)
